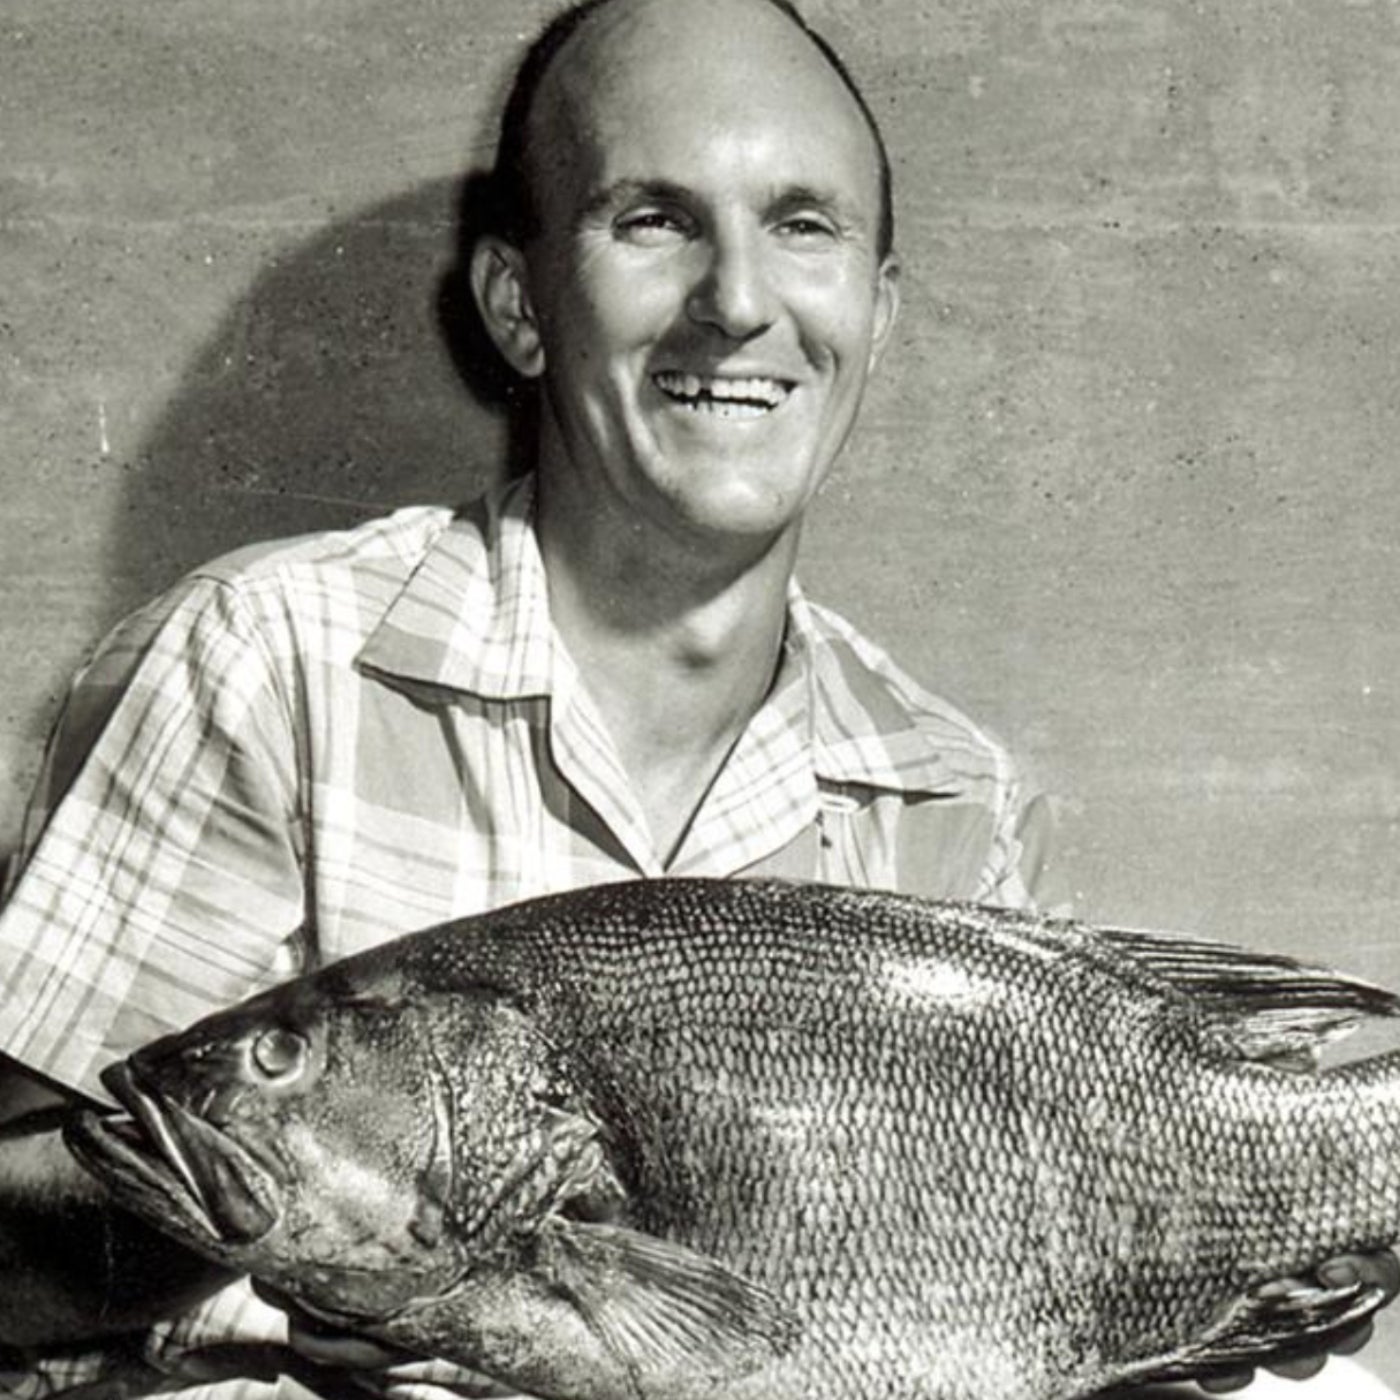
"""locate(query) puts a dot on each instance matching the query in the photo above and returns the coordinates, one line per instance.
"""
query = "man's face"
(706, 284)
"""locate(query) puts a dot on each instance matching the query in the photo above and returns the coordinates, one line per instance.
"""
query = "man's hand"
(1380, 1270)
(74, 1267)
(375, 1366)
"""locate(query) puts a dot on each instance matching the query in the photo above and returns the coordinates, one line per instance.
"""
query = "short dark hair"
(516, 211)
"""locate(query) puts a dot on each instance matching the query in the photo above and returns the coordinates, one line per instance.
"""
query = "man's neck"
(676, 652)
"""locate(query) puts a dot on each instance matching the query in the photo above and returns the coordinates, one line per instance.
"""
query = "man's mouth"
(725, 396)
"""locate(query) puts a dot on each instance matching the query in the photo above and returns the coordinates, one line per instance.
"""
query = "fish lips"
(161, 1160)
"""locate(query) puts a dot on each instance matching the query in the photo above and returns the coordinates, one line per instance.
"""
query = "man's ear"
(501, 288)
(886, 307)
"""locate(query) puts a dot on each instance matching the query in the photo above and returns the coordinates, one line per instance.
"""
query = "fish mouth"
(724, 395)
(172, 1167)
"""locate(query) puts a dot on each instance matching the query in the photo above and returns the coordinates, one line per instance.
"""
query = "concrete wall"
(1125, 489)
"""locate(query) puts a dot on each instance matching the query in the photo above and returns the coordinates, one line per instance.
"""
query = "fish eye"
(278, 1053)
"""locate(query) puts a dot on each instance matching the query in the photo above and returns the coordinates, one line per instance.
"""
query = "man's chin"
(740, 521)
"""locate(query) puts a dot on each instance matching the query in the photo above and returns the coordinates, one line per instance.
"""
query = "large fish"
(740, 1139)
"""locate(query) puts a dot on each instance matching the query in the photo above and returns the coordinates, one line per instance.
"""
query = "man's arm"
(74, 1267)
(167, 806)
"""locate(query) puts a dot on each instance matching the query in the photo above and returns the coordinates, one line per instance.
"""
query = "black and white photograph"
(702, 699)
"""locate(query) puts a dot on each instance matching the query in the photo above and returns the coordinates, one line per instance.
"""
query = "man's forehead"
(712, 66)
(692, 32)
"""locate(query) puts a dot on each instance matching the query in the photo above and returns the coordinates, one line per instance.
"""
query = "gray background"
(1124, 490)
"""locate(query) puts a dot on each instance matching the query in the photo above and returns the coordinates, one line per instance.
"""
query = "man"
(606, 671)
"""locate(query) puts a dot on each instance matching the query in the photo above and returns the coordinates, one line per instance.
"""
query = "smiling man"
(703, 287)
(602, 671)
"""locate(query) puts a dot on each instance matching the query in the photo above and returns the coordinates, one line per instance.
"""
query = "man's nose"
(734, 293)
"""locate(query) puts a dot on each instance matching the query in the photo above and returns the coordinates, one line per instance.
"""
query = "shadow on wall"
(354, 376)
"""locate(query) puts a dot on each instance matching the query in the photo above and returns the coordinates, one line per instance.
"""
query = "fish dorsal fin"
(1266, 1006)
(675, 1319)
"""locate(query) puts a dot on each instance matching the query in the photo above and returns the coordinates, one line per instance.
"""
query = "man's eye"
(650, 226)
(808, 229)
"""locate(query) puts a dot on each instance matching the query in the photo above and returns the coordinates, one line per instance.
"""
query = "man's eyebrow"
(792, 198)
(784, 200)
(628, 190)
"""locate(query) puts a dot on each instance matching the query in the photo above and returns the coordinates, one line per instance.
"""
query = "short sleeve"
(1017, 870)
(987, 842)
(160, 875)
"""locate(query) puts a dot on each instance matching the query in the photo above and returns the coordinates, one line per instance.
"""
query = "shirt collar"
(474, 617)
(871, 725)
(474, 614)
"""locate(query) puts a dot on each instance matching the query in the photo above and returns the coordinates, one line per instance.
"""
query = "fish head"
(354, 1143)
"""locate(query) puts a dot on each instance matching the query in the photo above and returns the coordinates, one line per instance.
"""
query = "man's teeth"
(728, 397)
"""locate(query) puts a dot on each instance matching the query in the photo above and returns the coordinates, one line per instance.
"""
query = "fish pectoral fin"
(674, 1318)
(1269, 1325)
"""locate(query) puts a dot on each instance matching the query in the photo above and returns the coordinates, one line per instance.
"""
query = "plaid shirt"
(310, 747)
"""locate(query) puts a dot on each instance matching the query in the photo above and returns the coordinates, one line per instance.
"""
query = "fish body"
(743, 1139)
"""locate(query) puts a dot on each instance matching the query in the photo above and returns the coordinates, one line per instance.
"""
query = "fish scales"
(746, 1139)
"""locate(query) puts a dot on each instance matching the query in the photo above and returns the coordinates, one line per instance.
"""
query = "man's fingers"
(1387, 1271)
(1380, 1269)
(339, 1349)
(1354, 1340)
(324, 1343)
(1229, 1380)
(1301, 1368)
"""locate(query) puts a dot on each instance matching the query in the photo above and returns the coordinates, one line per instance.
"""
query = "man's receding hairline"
(530, 100)
(577, 20)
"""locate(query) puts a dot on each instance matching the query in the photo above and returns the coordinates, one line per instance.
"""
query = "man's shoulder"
(966, 824)
(862, 693)
(395, 543)
(321, 592)
(328, 584)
